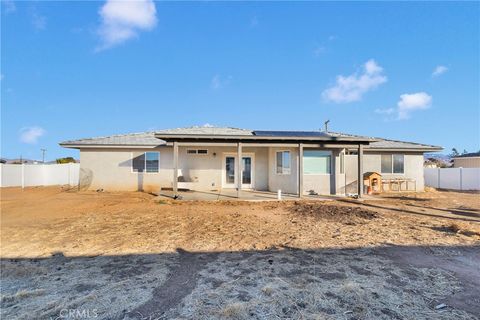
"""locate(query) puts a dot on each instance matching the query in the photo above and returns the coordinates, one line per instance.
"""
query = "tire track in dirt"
(183, 279)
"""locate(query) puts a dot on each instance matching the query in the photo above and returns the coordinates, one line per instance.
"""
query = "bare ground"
(129, 255)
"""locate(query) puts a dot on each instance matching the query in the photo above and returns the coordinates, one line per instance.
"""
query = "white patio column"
(360, 170)
(239, 169)
(300, 170)
(175, 168)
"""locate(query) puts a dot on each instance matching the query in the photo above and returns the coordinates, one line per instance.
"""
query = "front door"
(230, 167)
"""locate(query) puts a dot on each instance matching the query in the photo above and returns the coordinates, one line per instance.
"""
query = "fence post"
(23, 176)
(461, 178)
(438, 178)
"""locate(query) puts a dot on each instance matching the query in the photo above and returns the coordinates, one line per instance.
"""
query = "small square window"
(283, 162)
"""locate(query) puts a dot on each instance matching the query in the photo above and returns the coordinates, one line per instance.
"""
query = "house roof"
(157, 138)
(145, 139)
(469, 155)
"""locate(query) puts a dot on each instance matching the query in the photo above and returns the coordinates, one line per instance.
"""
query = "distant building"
(467, 160)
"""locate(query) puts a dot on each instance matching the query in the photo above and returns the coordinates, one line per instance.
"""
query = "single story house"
(467, 160)
(207, 158)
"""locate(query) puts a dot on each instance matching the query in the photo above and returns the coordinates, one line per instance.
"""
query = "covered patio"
(293, 179)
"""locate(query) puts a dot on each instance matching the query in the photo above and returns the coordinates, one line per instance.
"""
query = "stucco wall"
(325, 183)
(413, 168)
(473, 162)
(288, 183)
(111, 169)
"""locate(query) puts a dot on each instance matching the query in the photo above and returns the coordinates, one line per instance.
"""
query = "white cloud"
(408, 103)
(351, 88)
(387, 111)
(121, 20)
(31, 134)
(411, 102)
(439, 70)
(208, 125)
(219, 82)
(9, 6)
(39, 22)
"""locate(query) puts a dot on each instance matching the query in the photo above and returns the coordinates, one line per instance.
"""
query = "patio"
(231, 194)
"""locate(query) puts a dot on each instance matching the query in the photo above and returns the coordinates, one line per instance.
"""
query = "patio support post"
(239, 169)
(175, 168)
(300, 170)
(360, 170)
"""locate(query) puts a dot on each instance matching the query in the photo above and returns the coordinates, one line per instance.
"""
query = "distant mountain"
(437, 160)
(438, 156)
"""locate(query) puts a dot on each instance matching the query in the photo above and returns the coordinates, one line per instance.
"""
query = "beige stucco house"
(206, 158)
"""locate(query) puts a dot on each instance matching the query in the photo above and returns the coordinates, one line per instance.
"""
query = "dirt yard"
(83, 255)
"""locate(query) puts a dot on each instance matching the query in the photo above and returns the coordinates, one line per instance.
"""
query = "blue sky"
(399, 70)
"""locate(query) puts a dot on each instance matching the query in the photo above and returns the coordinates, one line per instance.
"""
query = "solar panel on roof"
(262, 133)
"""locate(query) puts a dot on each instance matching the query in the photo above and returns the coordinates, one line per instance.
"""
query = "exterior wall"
(288, 183)
(206, 172)
(325, 183)
(413, 168)
(472, 162)
(111, 169)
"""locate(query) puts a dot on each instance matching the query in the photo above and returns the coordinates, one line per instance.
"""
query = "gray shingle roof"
(382, 143)
(130, 139)
(148, 138)
(468, 155)
(393, 144)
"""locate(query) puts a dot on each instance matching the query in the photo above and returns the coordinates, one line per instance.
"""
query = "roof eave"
(130, 146)
(425, 149)
(254, 138)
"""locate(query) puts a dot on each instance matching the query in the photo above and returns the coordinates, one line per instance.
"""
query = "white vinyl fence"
(29, 175)
(453, 178)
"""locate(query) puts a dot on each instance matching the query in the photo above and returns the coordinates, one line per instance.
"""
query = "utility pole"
(43, 154)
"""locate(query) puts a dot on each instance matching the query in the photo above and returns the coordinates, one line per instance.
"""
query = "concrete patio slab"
(231, 194)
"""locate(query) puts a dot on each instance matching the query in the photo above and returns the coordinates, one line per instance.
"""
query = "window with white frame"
(146, 162)
(197, 151)
(393, 163)
(317, 161)
(283, 162)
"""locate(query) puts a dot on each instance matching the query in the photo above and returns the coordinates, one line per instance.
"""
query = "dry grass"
(20, 295)
(116, 249)
(235, 310)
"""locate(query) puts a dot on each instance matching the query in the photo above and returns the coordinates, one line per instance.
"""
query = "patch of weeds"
(235, 311)
(454, 228)
(20, 295)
